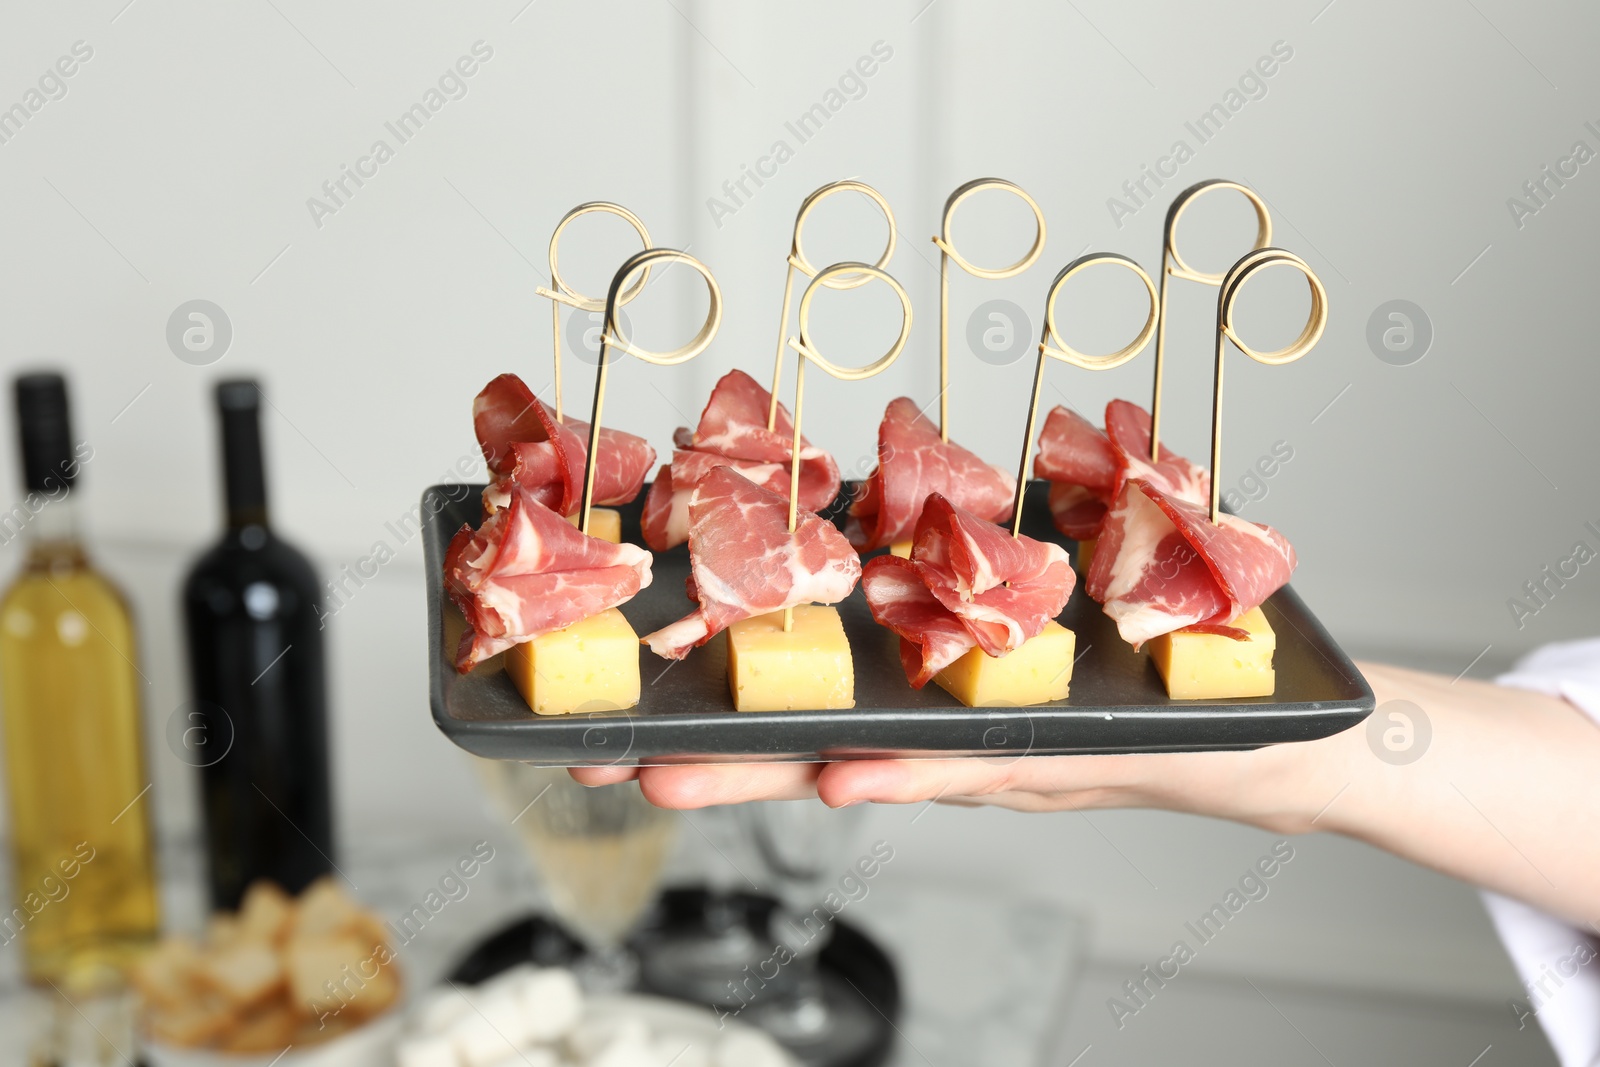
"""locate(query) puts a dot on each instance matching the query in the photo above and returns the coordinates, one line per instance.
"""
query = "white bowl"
(371, 1045)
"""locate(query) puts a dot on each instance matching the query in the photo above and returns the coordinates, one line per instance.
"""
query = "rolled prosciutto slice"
(1128, 428)
(968, 582)
(525, 446)
(912, 464)
(527, 571)
(1083, 469)
(733, 433)
(1161, 565)
(744, 561)
(1087, 467)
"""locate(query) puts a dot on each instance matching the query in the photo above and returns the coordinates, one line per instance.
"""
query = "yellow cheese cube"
(1085, 555)
(901, 549)
(604, 523)
(809, 668)
(591, 665)
(1038, 672)
(1213, 667)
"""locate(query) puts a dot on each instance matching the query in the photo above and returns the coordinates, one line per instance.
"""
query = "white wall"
(179, 164)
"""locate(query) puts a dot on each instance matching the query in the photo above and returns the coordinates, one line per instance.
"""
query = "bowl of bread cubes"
(297, 981)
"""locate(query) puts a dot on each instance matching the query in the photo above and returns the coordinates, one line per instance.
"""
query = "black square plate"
(685, 713)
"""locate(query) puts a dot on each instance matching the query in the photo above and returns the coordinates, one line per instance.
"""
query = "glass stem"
(605, 970)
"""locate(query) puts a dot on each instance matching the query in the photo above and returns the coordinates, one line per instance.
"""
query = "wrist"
(1298, 787)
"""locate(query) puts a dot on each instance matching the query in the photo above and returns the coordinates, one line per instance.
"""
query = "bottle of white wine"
(85, 894)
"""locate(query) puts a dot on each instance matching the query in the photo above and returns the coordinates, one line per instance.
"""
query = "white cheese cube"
(591, 665)
(552, 1004)
(1214, 667)
(604, 523)
(1039, 671)
(807, 668)
(433, 1051)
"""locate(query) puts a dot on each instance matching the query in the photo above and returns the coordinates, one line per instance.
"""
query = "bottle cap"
(245, 482)
(45, 429)
(238, 394)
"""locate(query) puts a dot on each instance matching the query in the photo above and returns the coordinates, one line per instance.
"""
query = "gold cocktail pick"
(829, 278)
(1241, 272)
(1174, 266)
(1067, 354)
(947, 252)
(566, 294)
(798, 261)
(611, 337)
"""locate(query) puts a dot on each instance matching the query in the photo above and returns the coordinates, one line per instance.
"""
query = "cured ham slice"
(931, 637)
(1083, 469)
(528, 571)
(526, 446)
(1161, 565)
(1074, 450)
(1078, 511)
(733, 433)
(1087, 467)
(744, 561)
(912, 464)
(1128, 428)
(968, 583)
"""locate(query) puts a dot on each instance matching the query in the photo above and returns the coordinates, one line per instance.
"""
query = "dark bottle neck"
(243, 467)
(50, 464)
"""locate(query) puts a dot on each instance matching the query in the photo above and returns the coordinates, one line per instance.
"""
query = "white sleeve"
(1559, 964)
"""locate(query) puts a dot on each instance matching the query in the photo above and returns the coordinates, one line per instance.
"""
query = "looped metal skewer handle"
(848, 280)
(1052, 345)
(803, 344)
(1173, 265)
(808, 353)
(946, 238)
(799, 262)
(1316, 321)
(1173, 262)
(564, 293)
(611, 337)
(947, 252)
(1052, 333)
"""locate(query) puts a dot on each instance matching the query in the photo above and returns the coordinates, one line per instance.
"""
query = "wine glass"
(599, 852)
(755, 952)
(803, 847)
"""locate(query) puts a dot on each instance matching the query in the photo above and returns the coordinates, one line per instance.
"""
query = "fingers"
(700, 787)
(1201, 782)
(843, 784)
(1032, 783)
(1025, 785)
(909, 781)
(602, 775)
(1246, 786)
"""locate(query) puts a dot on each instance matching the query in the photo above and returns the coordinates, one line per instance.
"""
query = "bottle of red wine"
(258, 725)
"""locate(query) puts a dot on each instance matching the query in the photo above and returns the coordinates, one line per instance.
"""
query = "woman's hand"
(1280, 787)
(1234, 785)
(1503, 796)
